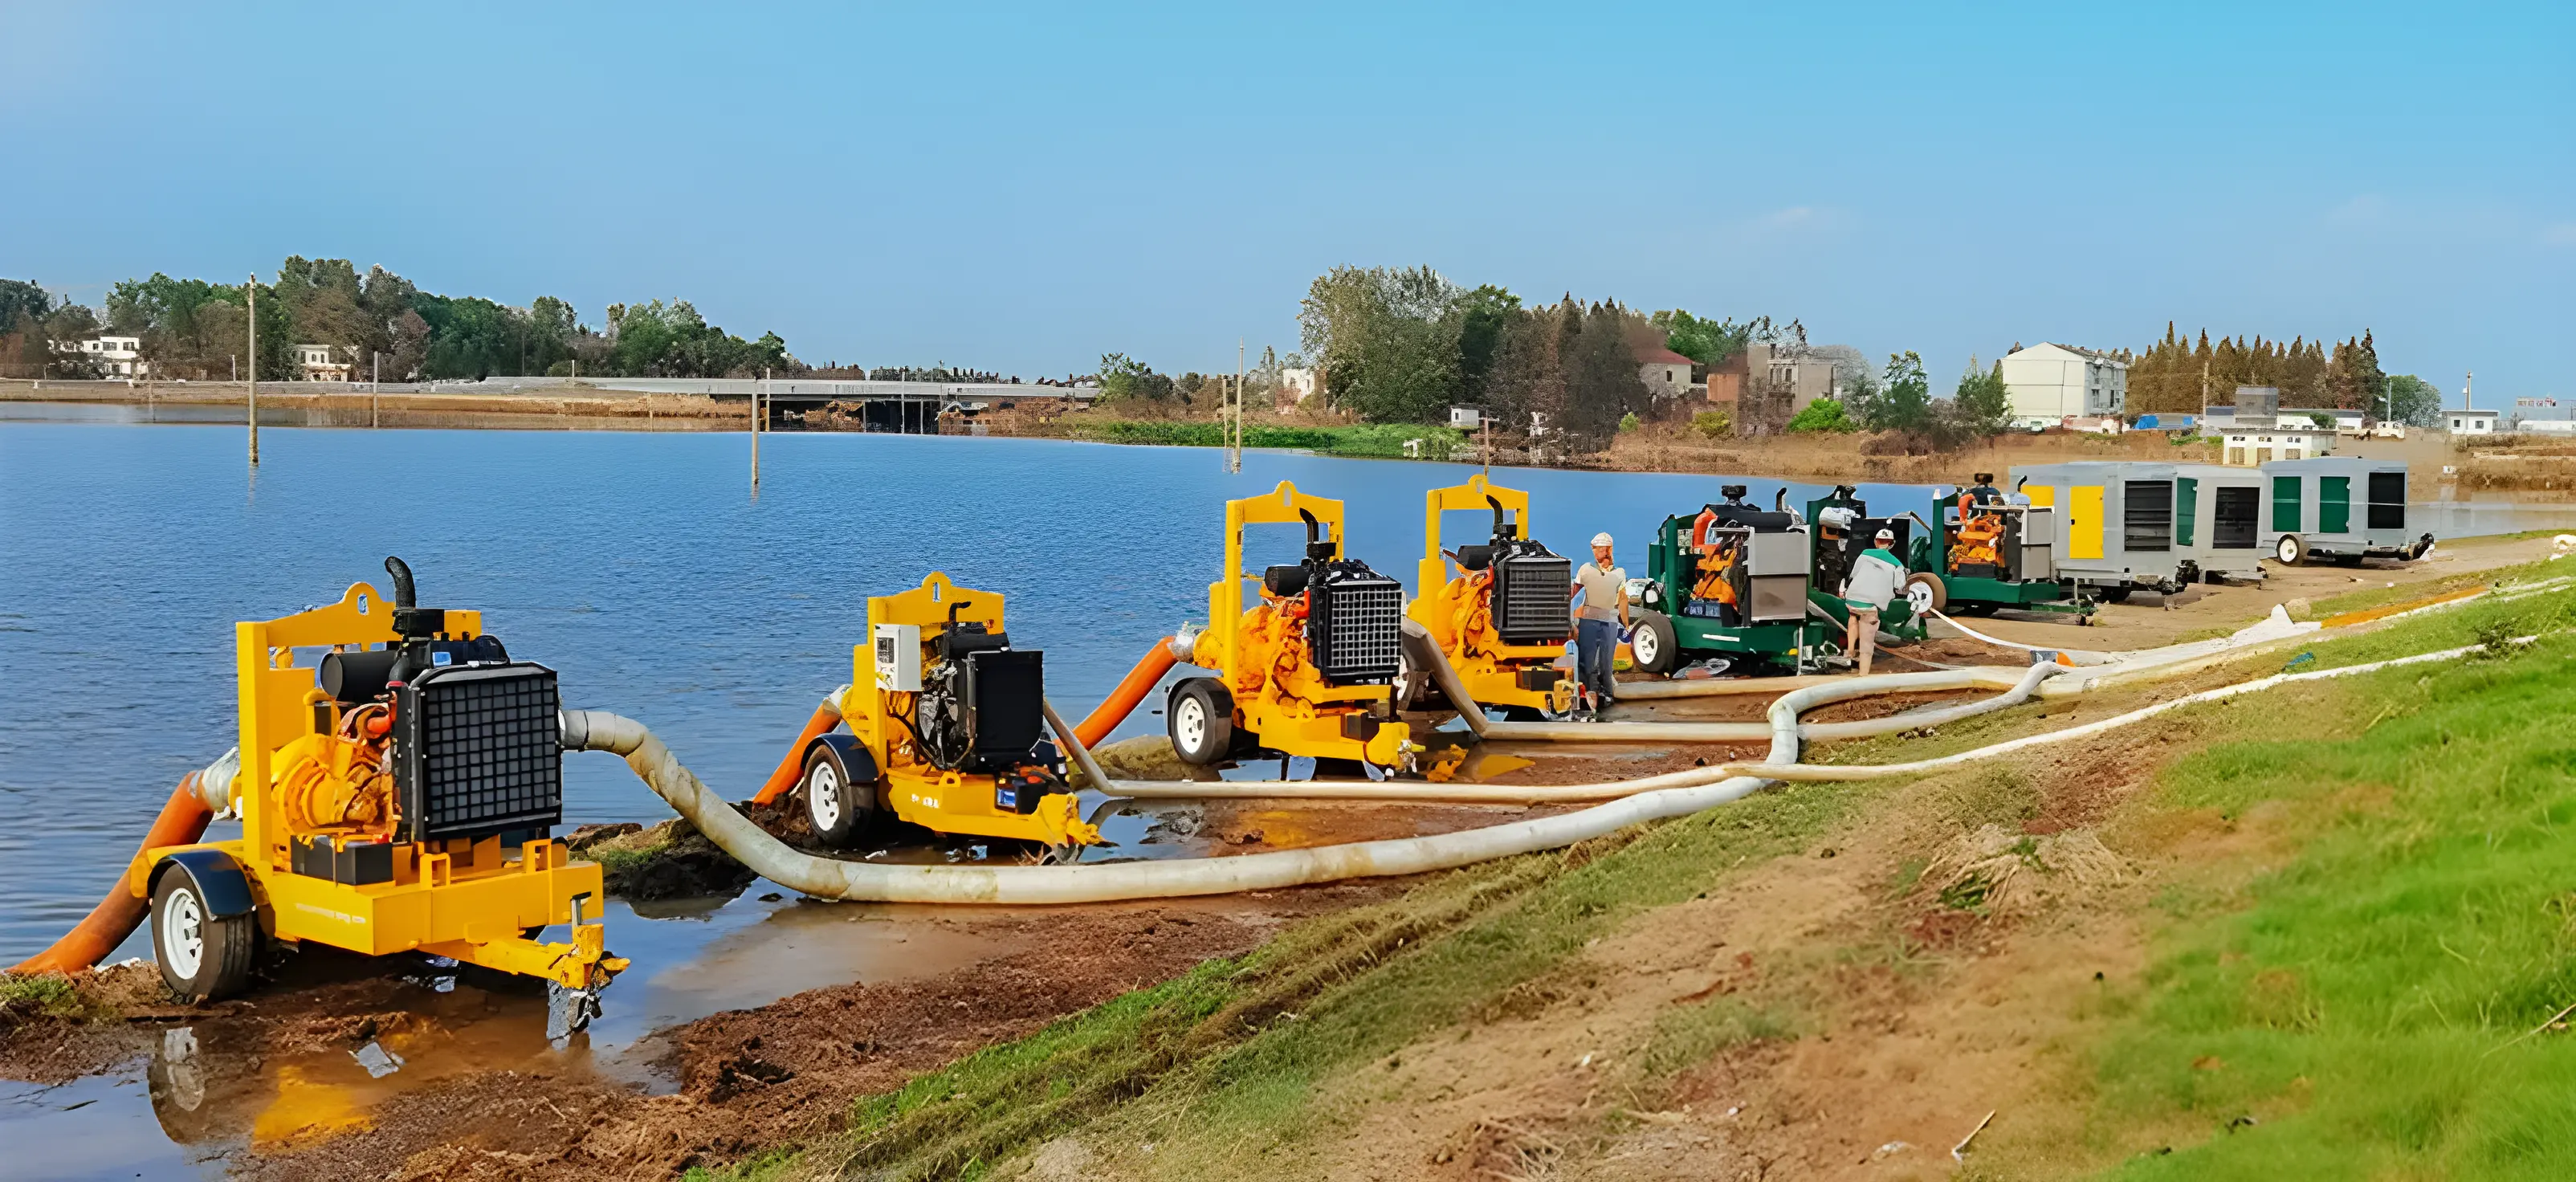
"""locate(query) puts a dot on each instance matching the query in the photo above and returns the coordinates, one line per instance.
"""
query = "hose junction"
(1621, 803)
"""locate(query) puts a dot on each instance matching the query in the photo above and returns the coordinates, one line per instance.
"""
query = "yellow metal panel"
(1433, 569)
(2084, 521)
(2041, 494)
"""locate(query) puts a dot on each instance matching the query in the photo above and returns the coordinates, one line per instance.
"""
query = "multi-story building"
(2050, 384)
(315, 363)
(112, 356)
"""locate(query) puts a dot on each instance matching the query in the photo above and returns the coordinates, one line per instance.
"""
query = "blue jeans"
(1594, 643)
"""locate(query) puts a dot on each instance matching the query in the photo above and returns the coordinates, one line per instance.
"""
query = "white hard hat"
(1600, 539)
(1886, 535)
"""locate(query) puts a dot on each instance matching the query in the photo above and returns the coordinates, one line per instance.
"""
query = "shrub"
(1823, 415)
(1713, 423)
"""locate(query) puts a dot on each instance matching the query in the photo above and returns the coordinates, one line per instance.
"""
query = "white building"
(2052, 383)
(1301, 384)
(2253, 447)
(115, 357)
(2470, 422)
(314, 364)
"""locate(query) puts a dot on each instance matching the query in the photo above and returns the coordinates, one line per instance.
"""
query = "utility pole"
(755, 429)
(375, 391)
(251, 290)
(1234, 430)
(2467, 381)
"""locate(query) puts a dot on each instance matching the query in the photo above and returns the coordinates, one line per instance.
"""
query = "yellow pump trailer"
(1501, 611)
(396, 796)
(946, 730)
(1308, 668)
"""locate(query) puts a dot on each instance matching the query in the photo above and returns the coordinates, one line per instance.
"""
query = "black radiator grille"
(1357, 627)
(2146, 515)
(2387, 500)
(1533, 599)
(479, 751)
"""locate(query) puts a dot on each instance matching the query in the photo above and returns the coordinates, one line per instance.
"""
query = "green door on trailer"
(2186, 504)
(2285, 504)
(2334, 504)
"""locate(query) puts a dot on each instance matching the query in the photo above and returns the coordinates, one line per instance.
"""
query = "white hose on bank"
(1827, 773)
(832, 878)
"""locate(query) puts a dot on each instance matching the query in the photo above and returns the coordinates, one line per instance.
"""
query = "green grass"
(2362, 1003)
(50, 995)
(1379, 440)
(1260, 1098)
(1232, 1052)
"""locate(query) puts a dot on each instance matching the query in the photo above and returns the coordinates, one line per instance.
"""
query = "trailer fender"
(226, 888)
(855, 760)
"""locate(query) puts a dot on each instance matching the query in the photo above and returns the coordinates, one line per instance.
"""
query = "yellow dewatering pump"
(1308, 668)
(1500, 611)
(946, 731)
(397, 796)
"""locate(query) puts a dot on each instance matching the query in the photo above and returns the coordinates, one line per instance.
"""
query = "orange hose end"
(1122, 701)
(182, 820)
(792, 767)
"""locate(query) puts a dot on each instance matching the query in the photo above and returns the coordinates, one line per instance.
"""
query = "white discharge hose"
(1405, 792)
(832, 878)
(1823, 773)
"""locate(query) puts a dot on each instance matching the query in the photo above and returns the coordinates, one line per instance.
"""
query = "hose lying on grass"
(1679, 794)
(1824, 773)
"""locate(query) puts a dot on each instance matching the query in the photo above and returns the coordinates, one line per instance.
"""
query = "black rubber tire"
(1200, 719)
(840, 808)
(1940, 591)
(2290, 550)
(1661, 649)
(203, 958)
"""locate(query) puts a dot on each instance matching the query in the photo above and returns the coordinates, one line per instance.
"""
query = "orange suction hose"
(791, 768)
(1122, 701)
(182, 820)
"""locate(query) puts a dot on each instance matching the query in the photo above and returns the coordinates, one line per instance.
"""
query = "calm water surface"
(640, 566)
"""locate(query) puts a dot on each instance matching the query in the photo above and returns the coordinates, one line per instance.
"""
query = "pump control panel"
(899, 658)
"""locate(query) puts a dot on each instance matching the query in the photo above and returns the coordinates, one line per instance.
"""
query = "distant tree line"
(378, 323)
(2173, 375)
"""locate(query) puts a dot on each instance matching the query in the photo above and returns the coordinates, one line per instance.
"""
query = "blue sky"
(1025, 189)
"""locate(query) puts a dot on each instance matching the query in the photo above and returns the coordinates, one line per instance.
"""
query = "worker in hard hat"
(1603, 588)
(1875, 578)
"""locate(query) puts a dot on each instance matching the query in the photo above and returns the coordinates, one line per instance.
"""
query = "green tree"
(1707, 342)
(1124, 379)
(1387, 339)
(2411, 400)
(1824, 415)
(1904, 401)
(22, 304)
(1602, 385)
(1481, 315)
(1981, 405)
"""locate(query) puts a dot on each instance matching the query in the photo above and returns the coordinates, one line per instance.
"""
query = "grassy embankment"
(1375, 440)
(2377, 997)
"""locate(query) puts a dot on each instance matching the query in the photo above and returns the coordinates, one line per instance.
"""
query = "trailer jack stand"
(569, 1011)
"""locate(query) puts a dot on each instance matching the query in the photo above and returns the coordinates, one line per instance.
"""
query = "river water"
(643, 569)
(640, 566)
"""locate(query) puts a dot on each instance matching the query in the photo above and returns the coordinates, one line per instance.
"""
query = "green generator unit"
(1728, 582)
(2338, 507)
(1839, 529)
(1982, 553)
